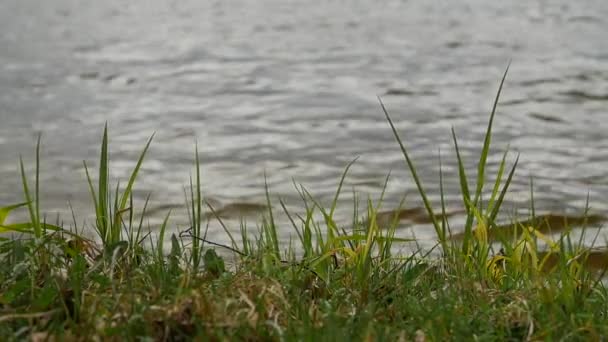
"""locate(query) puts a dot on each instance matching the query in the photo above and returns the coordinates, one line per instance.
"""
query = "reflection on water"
(546, 224)
(236, 211)
(288, 90)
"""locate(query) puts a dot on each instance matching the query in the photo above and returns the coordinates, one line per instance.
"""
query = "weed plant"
(334, 281)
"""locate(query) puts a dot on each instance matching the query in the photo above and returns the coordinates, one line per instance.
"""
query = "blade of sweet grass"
(135, 239)
(270, 226)
(486, 143)
(307, 223)
(196, 214)
(92, 190)
(332, 230)
(481, 166)
(127, 192)
(161, 239)
(355, 218)
(383, 192)
(501, 169)
(309, 228)
(37, 185)
(334, 203)
(5, 211)
(28, 198)
(193, 220)
(585, 221)
(33, 205)
(291, 220)
(532, 206)
(245, 241)
(464, 189)
(444, 226)
(501, 197)
(412, 168)
(28, 227)
(114, 213)
(222, 224)
(102, 188)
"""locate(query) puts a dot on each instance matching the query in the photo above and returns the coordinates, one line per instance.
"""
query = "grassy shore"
(336, 281)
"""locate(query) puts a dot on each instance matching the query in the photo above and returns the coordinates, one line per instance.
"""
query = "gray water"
(288, 89)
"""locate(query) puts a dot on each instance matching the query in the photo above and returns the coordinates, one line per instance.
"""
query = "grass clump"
(337, 281)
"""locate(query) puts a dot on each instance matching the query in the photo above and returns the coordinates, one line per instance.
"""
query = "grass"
(334, 281)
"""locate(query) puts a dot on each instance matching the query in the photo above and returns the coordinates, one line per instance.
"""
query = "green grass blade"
(91, 187)
(497, 205)
(334, 203)
(501, 170)
(37, 185)
(222, 224)
(291, 220)
(444, 222)
(532, 206)
(102, 188)
(464, 187)
(161, 238)
(115, 213)
(486, 143)
(28, 227)
(133, 177)
(196, 212)
(28, 200)
(140, 225)
(482, 164)
(5, 211)
(412, 168)
(272, 229)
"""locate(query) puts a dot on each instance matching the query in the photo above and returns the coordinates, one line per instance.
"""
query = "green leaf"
(161, 238)
(4, 211)
(26, 227)
(102, 188)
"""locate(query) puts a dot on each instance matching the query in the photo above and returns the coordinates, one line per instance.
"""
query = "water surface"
(288, 89)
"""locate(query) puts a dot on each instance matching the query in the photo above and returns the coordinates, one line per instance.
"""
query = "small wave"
(583, 95)
(237, 210)
(584, 18)
(407, 92)
(546, 118)
(534, 82)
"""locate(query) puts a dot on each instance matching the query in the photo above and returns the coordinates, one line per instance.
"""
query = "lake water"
(288, 89)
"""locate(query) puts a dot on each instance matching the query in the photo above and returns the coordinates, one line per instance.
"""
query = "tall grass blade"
(445, 230)
(483, 161)
(5, 211)
(334, 203)
(127, 192)
(222, 224)
(161, 239)
(501, 197)
(196, 213)
(464, 187)
(501, 170)
(271, 227)
(37, 185)
(28, 200)
(91, 188)
(487, 140)
(102, 188)
(412, 168)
